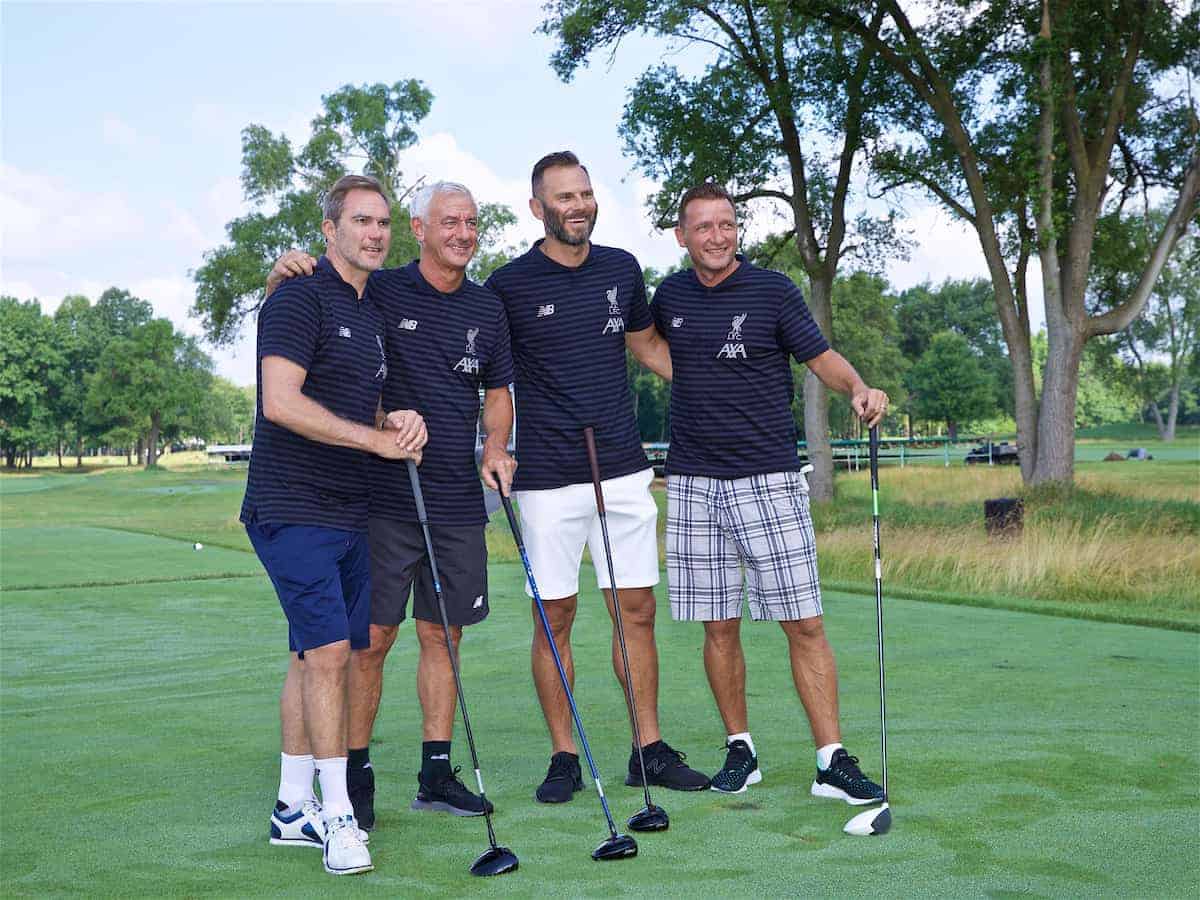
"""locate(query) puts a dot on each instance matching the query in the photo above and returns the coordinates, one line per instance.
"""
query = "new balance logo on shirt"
(408, 324)
(344, 332)
(677, 322)
(547, 310)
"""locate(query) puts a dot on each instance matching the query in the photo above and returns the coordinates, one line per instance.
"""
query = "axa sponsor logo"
(733, 348)
(469, 364)
(408, 325)
(381, 372)
(615, 323)
(545, 310)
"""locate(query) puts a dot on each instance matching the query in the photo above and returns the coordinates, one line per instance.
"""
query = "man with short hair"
(573, 309)
(737, 503)
(321, 369)
(447, 338)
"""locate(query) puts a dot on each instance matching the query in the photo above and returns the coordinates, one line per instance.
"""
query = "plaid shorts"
(717, 529)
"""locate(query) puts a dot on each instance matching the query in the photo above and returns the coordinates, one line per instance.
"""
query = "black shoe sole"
(575, 789)
(635, 781)
(420, 805)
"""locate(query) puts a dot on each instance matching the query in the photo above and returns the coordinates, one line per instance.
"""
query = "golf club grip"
(589, 439)
(512, 520)
(874, 455)
(415, 480)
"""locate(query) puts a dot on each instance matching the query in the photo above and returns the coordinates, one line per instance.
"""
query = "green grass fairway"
(139, 679)
(1029, 755)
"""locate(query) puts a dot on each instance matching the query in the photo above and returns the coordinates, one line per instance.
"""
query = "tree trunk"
(128, 455)
(152, 443)
(816, 398)
(1172, 413)
(10, 457)
(141, 448)
(79, 452)
(1158, 419)
(1056, 417)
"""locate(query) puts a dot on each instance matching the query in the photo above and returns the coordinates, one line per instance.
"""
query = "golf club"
(649, 817)
(616, 846)
(879, 819)
(495, 860)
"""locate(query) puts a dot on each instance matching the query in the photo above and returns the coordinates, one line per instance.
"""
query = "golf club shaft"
(874, 455)
(419, 499)
(589, 439)
(562, 672)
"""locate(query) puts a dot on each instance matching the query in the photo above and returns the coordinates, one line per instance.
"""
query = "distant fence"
(853, 455)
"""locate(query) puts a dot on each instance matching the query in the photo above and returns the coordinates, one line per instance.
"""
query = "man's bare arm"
(291, 264)
(651, 350)
(838, 375)
(497, 466)
(285, 404)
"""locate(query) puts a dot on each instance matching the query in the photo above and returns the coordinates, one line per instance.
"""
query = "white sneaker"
(303, 828)
(345, 852)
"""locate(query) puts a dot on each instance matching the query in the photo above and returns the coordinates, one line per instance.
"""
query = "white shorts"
(557, 523)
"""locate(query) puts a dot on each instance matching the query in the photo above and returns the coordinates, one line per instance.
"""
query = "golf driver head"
(874, 821)
(650, 818)
(619, 846)
(495, 861)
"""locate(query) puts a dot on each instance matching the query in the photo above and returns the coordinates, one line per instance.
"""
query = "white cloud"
(120, 134)
(44, 219)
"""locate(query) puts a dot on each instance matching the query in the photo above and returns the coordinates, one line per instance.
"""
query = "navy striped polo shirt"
(319, 323)
(441, 349)
(731, 397)
(568, 342)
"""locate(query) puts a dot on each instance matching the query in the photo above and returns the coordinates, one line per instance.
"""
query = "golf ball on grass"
(197, 546)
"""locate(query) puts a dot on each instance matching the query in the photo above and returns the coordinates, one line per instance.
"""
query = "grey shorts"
(756, 533)
(400, 566)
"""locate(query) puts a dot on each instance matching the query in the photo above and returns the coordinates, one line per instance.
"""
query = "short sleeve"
(797, 331)
(500, 369)
(639, 309)
(289, 325)
(657, 313)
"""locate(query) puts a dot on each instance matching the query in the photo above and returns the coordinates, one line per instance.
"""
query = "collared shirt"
(731, 397)
(441, 349)
(568, 340)
(319, 323)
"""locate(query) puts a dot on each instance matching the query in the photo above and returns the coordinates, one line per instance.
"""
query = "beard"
(557, 226)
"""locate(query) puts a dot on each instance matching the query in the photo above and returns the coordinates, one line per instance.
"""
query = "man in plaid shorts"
(736, 500)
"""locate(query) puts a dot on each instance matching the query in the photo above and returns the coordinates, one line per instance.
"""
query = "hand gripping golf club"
(879, 819)
(616, 846)
(649, 817)
(495, 860)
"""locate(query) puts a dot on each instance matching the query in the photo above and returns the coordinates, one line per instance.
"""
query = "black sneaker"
(665, 768)
(360, 785)
(844, 780)
(563, 779)
(740, 770)
(444, 792)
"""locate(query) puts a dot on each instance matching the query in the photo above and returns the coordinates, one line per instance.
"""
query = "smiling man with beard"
(446, 338)
(573, 308)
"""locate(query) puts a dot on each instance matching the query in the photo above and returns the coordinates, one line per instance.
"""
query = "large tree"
(360, 129)
(781, 115)
(30, 375)
(1159, 347)
(1030, 121)
(150, 383)
(949, 383)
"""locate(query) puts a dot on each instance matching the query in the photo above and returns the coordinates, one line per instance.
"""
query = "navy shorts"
(323, 579)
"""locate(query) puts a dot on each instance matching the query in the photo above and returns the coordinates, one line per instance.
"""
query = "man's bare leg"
(561, 615)
(366, 683)
(814, 672)
(725, 666)
(637, 615)
(435, 681)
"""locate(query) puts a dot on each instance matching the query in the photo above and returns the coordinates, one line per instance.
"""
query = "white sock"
(332, 775)
(825, 755)
(743, 736)
(295, 779)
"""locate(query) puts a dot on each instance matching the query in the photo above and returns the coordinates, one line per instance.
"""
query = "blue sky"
(120, 153)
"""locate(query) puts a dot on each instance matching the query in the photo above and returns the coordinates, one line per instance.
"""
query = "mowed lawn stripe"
(1027, 755)
(77, 555)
